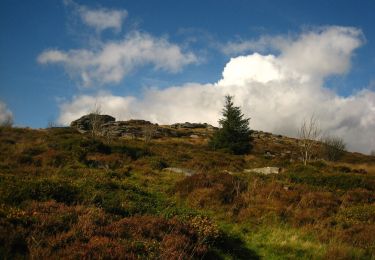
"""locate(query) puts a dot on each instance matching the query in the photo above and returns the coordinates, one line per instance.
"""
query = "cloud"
(6, 115)
(323, 52)
(191, 102)
(262, 44)
(115, 59)
(276, 91)
(101, 18)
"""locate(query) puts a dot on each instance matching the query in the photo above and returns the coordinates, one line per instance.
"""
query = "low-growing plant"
(211, 188)
(14, 192)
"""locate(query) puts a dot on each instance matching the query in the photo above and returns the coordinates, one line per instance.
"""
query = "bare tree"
(149, 132)
(372, 153)
(8, 121)
(308, 134)
(51, 124)
(95, 120)
(333, 147)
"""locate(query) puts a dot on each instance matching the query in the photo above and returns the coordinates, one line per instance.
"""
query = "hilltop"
(138, 190)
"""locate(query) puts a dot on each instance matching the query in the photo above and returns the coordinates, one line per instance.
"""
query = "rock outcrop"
(86, 123)
(188, 125)
(136, 128)
(107, 126)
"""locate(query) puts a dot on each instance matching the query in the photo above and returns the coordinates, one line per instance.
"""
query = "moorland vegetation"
(66, 194)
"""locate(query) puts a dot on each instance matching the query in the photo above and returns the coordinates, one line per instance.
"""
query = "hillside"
(159, 192)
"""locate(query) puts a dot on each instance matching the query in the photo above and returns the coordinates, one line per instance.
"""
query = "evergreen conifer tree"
(234, 132)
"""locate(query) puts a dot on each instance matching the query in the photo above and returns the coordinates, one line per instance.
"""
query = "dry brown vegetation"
(68, 195)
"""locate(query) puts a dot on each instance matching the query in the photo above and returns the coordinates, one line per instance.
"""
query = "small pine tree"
(234, 132)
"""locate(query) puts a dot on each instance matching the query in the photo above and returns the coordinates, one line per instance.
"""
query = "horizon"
(169, 62)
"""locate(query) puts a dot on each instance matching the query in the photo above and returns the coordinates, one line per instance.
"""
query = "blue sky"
(58, 61)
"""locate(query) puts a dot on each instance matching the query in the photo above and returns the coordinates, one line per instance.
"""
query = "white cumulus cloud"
(103, 18)
(100, 18)
(6, 115)
(115, 59)
(276, 91)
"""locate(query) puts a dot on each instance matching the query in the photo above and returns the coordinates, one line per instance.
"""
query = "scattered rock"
(194, 136)
(265, 170)
(184, 171)
(108, 126)
(131, 128)
(229, 172)
(269, 154)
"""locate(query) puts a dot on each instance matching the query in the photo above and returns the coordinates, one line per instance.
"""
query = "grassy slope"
(63, 192)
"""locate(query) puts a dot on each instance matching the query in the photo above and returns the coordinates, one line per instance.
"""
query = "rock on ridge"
(106, 125)
(189, 125)
(86, 122)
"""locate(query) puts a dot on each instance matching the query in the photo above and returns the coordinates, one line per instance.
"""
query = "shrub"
(107, 161)
(56, 230)
(358, 195)
(15, 192)
(158, 163)
(333, 148)
(220, 187)
(333, 180)
(315, 206)
(359, 235)
(357, 215)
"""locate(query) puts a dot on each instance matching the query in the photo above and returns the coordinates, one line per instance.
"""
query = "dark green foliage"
(333, 180)
(123, 200)
(158, 163)
(234, 134)
(15, 191)
(133, 152)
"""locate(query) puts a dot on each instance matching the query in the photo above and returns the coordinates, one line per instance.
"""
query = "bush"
(357, 215)
(15, 192)
(333, 148)
(333, 180)
(221, 187)
(158, 163)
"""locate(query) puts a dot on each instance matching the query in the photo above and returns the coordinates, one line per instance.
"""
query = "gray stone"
(107, 126)
(136, 129)
(85, 123)
(265, 170)
(184, 171)
(189, 125)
